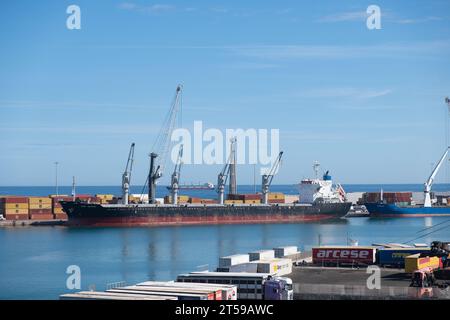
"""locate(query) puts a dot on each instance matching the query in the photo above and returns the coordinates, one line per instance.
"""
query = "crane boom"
(225, 173)
(126, 177)
(267, 179)
(429, 182)
(175, 181)
(161, 147)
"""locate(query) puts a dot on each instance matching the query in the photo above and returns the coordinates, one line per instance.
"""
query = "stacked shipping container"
(14, 208)
(40, 208)
(401, 198)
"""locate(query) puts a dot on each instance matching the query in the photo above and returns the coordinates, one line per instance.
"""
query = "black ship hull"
(90, 214)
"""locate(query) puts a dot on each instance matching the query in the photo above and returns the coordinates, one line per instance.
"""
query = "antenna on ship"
(316, 167)
(73, 188)
(233, 160)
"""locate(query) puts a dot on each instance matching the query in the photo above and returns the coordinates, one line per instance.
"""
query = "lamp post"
(56, 177)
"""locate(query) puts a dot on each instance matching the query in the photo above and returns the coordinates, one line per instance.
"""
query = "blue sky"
(367, 104)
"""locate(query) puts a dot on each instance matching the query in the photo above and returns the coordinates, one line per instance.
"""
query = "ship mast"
(233, 159)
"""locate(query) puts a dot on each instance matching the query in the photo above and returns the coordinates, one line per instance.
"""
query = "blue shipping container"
(395, 257)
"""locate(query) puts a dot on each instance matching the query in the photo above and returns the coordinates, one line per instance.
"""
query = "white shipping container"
(233, 260)
(244, 267)
(278, 267)
(262, 255)
(281, 252)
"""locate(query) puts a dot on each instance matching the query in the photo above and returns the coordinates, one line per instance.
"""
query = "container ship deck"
(91, 214)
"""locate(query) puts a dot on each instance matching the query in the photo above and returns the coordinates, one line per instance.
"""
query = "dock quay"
(296, 275)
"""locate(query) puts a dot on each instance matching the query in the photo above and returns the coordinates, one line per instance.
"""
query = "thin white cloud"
(344, 92)
(154, 8)
(418, 20)
(390, 50)
(345, 16)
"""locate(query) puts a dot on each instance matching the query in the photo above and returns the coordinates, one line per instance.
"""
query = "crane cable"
(427, 234)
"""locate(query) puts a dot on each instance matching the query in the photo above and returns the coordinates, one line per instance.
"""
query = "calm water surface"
(33, 260)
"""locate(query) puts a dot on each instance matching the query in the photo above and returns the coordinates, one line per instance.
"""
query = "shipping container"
(40, 211)
(262, 255)
(15, 211)
(233, 259)
(229, 292)
(96, 295)
(277, 267)
(281, 252)
(39, 201)
(248, 267)
(395, 257)
(15, 206)
(14, 199)
(12, 216)
(252, 201)
(40, 206)
(41, 216)
(233, 201)
(415, 262)
(181, 293)
(60, 216)
(343, 255)
(276, 195)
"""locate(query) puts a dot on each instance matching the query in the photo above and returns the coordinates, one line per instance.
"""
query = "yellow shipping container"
(415, 262)
(58, 210)
(39, 200)
(252, 201)
(276, 195)
(234, 201)
(16, 211)
(40, 206)
(105, 196)
(16, 205)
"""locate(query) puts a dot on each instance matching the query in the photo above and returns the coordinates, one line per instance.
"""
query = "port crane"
(227, 170)
(126, 176)
(429, 182)
(268, 177)
(175, 181)
(162, 145)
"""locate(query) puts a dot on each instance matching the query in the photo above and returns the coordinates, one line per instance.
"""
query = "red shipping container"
(345, 255)
(252, 196)
(61, 216)
(41, 216)
(40, 211)
(14, 200)
(276, 200)
(16, 217)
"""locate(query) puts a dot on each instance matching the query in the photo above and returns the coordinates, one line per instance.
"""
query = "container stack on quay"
(416, 262)
(40, 208)
(395, 257)
(14, 208)
(58, 212)
(399, 198)
(276, 262)
(262, 255)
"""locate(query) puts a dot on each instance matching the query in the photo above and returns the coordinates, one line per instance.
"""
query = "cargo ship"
(319, 202)
(399, 204)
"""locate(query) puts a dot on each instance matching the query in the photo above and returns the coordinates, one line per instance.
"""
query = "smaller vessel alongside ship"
(400, 205)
